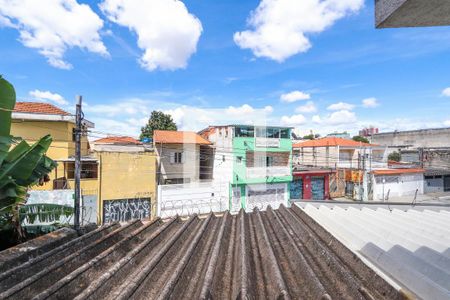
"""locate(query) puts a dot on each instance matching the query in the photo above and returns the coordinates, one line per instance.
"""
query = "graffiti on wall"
(122, 210)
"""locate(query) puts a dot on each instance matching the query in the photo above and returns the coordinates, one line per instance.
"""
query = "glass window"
(284, 133)
(260, 132)
(273, 133)
(245, 131)
(269, 161)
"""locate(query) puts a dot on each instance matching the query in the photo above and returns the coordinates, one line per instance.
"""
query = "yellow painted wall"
(62, 146)
(126, 175)
(121, 175)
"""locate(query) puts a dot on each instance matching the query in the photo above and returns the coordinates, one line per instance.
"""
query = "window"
(177, 181)
(245, 131)
(176, 158)
(273, 133)
(223, 158)
(89, 170)
(269, 161)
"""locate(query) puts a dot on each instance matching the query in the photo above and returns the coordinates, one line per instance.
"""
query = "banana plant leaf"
(20, 167)
(7, 102)
(25, 160)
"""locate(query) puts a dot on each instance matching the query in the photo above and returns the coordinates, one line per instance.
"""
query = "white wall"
(187, 199)
(273, 194)
(188, 169)
(397, 185)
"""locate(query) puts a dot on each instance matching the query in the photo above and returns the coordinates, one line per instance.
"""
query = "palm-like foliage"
(21, 166)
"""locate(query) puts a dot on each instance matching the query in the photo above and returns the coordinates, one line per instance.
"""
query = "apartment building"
(178, 154)
(254, 161)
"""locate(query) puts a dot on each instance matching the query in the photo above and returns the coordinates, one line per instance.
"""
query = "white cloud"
(341, 117)
(341, 106)
(370, 102)
(316, 119)
(240, 110)
(54, 26)
(166, 31)
(129, 107)
(293, 120)
(278, 28)
(309, 107)
(446, 92)
(48, 96)
(268, 109)
(295, 96)
(447, 123)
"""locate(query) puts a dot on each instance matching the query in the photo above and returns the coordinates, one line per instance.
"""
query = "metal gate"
(297, 189)
(318, 188)
(447, 183)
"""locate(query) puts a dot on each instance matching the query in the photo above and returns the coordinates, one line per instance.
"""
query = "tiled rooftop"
(39, 108)
(398, 171)
(275, 254)
(409, 244)
(118, 140)
(331, 142)
(178, 137)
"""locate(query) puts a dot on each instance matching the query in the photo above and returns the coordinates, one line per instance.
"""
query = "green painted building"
(256, 163)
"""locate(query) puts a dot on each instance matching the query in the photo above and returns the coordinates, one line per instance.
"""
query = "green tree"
(395, 156)
(21, 166)
(157, 121)
(308, 137)
(360, 139)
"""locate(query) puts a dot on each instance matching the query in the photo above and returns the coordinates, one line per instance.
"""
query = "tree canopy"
(359, 138)
(395, 156)
(311, 136)
(157, 121)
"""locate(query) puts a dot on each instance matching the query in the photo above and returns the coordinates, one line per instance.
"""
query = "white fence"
(192, 198)
(48, 207)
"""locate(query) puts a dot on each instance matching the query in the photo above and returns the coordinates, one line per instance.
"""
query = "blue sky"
(205, 74)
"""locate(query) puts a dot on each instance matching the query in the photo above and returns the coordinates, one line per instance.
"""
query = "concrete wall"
(434, 185)
(188, 169)
(414, 139)
(126, 176)
(411, 13)
(62, 146)
(397, 185)
(338, 157)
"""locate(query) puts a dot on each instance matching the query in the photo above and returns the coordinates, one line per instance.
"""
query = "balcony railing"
(261, 172)
(261, 142)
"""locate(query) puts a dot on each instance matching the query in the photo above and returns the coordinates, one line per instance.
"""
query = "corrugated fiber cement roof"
(275, 254)
(409, 244)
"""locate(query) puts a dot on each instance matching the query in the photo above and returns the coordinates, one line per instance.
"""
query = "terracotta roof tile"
(178, 137)
(397, 171)
(118, 140)
(39, 108)
(331, 141)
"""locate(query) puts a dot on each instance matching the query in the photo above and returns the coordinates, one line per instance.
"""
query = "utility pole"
(78, 131)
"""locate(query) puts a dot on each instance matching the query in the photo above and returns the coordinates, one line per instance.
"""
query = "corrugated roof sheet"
(178, 137)
(278, 254)
(39, 108)
(411, 245)
(331, 142)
